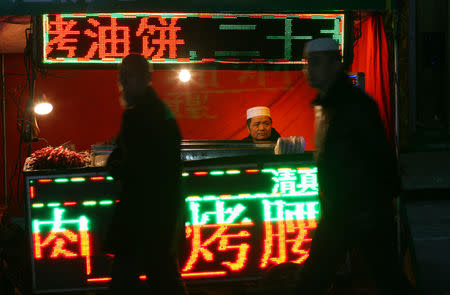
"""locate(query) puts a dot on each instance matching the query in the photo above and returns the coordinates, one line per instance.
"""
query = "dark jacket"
(357, 168)
(274, 135)
(147, 162)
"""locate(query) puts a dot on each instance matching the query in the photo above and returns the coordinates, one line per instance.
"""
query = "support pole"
(412, 67)
(395, 20)
(5, 170)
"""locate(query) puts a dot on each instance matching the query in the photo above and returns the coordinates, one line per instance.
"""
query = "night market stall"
(247, 209)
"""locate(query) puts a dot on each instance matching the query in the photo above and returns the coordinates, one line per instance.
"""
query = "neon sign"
(184, 38)
(239, 222)
(59, 236)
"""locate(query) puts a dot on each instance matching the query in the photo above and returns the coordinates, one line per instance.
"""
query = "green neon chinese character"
(290, 211)
(308, 181)
(222, 214)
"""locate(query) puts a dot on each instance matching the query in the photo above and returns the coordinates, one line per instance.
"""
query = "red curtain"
(372, 58)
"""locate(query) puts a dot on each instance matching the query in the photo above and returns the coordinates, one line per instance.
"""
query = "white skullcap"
(321, 44)
(258, 111)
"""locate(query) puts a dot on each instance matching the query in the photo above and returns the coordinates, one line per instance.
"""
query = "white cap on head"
(321, 44)
(258, 111)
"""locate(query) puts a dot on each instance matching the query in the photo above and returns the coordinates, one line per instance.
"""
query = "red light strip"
(184, 59)
(204, 274)
(46, 180)
(97, 178)
(252, 170)
(184, 275)
(32, 193)
(69, 203)
(199, 173)
(107, 279)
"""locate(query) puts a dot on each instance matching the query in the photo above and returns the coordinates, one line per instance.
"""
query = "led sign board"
(184, 38)
(239, 223)
(36, 7)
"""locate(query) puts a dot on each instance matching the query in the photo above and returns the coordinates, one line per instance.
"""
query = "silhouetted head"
(135, 74)
(324, 63)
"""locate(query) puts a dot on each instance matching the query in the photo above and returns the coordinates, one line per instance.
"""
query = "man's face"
(260, 128)
(321, 69)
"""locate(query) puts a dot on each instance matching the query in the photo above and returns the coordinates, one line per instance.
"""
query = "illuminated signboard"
(184, 38)
(239, 223)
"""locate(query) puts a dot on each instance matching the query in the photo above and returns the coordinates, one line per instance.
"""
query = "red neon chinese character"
(62, 236)
(113, 41)
(200, 250)
(60, 239)
(62, 29)
(167, 37)
(298, 230)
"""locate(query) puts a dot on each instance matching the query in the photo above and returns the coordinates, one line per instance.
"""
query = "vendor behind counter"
(259, 125)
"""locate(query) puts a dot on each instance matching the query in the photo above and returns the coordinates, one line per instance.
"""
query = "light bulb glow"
(43, 108)
(184, 76)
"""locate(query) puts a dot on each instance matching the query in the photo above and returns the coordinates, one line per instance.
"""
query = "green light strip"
(237, 27)
(31, 181)
(231, 172)
(78, 179)
(247, 197)
(86, 203)
(106, 202)
(185, 174)
(217, 173)
(89, 203)
(61, 180)
(109, 178)
(236, 53)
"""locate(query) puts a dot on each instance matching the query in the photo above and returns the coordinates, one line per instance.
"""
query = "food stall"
(243, 215)
(246, 209)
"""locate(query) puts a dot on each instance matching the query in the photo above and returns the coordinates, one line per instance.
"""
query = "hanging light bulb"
(42, 106)
(184, 75)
